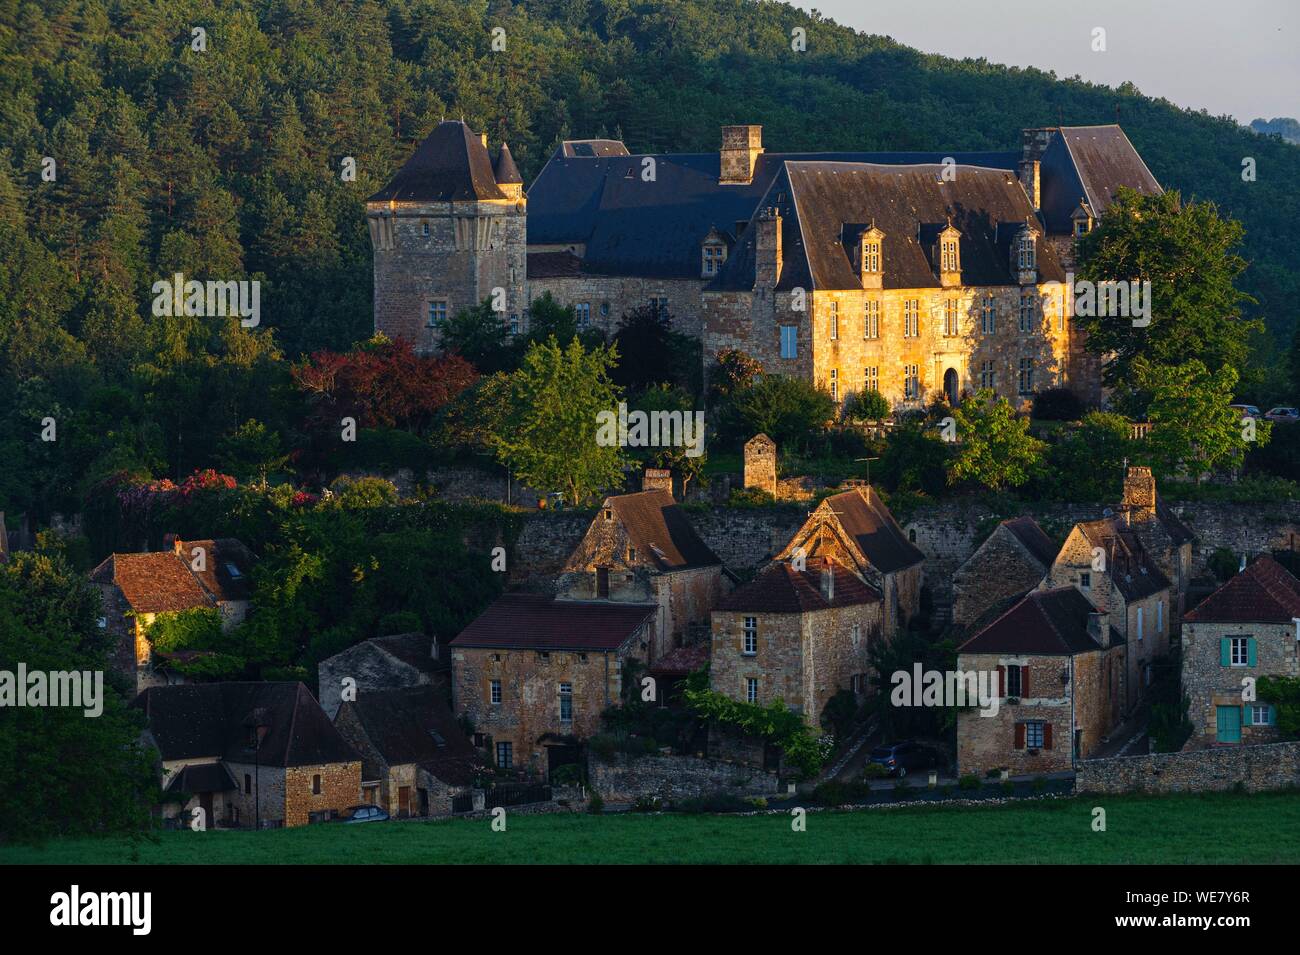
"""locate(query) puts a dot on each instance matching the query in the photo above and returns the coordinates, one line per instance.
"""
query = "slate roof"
(591, 148)
(1127, 563)
(536, 622)
(202, 778)
(1039, 545)
(413, 649)
(551, 265)
(450, 164)
(1178, 532)
(1091, 163)
(779, 588)
(1044, 623)
(865, 518)
(156, 582)
(1265, 592)
(415, 725)
(504, 169)
(195, 720)
(658, 528)
(227, 567)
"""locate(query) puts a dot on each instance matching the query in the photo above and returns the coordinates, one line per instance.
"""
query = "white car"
(1249, 411)
(1283, 413)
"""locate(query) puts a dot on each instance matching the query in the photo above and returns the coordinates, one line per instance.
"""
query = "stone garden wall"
(623, 778)
(1257, 768)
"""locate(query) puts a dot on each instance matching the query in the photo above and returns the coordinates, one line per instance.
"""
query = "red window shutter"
(1024, 681)
(1002, 681)
(1020, 736)
(1047, 736)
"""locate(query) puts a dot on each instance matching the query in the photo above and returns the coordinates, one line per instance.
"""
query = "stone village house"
(247, 752)
(1012, 561)
(137, 588)
(1248, 628)
(896, 271)
(641, 548)
(1058, 662)
(414, 756)
(382, 663)
(797, 636)
(532, 674)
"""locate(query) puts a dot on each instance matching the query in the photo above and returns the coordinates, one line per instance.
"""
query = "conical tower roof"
(451, 164)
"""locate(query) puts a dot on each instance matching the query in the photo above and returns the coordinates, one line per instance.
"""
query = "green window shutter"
(1246, 717)
(1225, 652)
(1272, 715)
(1250, 651)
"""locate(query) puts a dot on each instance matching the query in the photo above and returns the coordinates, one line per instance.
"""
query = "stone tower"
(447, 234)
(760, 464)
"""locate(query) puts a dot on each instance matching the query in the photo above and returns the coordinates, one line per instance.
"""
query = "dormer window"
(948, 256)
(1027, 256)
(870, 257)
(714, 256)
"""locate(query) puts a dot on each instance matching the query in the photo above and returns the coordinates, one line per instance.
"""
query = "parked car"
(363, 814)
(1285, 414)
(1250, 411)
(898, 758)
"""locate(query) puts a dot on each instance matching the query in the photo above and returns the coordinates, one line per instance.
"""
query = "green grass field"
(1212, 828)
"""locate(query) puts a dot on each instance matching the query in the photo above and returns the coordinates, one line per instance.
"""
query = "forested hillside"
(225, 162)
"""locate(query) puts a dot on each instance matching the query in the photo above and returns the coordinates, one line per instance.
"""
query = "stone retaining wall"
(1257, 768)
(624, 779)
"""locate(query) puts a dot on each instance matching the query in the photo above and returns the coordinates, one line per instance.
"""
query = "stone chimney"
(1140, 491)
(828, 581)
(174, 542)
(483, 139)
(767, 249)
(1033, 143)
(657, 479)
(1099, 627)
(740, 148)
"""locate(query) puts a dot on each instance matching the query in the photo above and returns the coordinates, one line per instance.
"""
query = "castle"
(910, 273)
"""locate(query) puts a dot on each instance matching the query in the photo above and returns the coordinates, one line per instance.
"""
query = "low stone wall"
(624, 779)
(1257, 768)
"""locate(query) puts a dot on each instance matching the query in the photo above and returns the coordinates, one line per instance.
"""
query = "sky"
(1231, 57)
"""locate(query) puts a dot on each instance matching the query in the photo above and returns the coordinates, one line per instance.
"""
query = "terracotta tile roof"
(1265, 592)
(681, 661)
(779, 588)
(658, 527)
(866, 519)
(157, 582)
(1039, 545)
(214, 719)
(416, 725)
(535, 622)
(1043, 622)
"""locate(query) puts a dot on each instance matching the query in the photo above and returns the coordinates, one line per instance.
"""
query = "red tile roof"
(158, 582)
(1045, 622)
(534, 622)
(227, 567)
(779, 588)
(682, 661)
(1265, 592)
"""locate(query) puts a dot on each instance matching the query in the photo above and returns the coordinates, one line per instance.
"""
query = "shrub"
(758, 802)
(1008, 787)
(403, 621)
(831, 793)
(1223, 563)
(1057, 404)
(595, 805)
(713, 802)
(1039, 785)
(969, 781)
(866, 405)
(874, 771)
(750, 497)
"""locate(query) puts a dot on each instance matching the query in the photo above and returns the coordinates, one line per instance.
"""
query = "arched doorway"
(950, 386)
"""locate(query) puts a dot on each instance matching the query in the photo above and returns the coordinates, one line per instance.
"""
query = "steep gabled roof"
(864, 517)
(214, 720)
(227, 567)
(1091, 163)
(202, 778)
(779, 588)
(416, 725)
(535, 622)
(1039, 545)
(156, 582)
(1128, 565)
(1043, 622)
(1265, 592)
(450, 164)
(660, 529)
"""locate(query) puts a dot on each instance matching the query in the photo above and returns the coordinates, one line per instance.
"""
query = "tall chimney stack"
(740, 148)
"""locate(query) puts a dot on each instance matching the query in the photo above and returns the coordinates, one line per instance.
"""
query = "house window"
(789, 342)
(1160, 616)
(749, 637)
(248, 784)
(1034, 734)
(1013, 681)
(751, 690)
(582, 311)
(835, 384)
(714, 256)
(1139, 623)
(871, 378)
(494, 690)
(871, 320)
(505, 755)
(424, 227)
(315, 785)
(1260, 714)
(911, 382)
(631, 555)
(514, 324)
(437, 312)
(1027, 257)
(1026, 376)
(835, 320)
(608, 514)
(986, 375)
(1240, 651)
(911, 318)
(659, 304)
(1027, 302)
(989, 315)
(950, 318)
(1085, 580)
(856, 634)
(566, 702)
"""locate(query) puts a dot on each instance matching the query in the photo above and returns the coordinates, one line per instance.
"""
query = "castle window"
(437, 311)
(911, 382)
(659, 304)
(582, 311)
(1028, 258)
(856, 635)
(789, 341)
(835, 320)
(751, 690)
(835, 384)
(871, 378)
(494, 691)
(948, 255)
(749, 638)
(950, 318)
(871, 256)
(315, 785)
(714, 256)
(989, 315)
(566, 702)
(514, 324)
(986, 375)
(911, 318)
(424, 227)
(1034, 734)
(1026, 376)
(1028, 301)
(871, 320)
(505, 755)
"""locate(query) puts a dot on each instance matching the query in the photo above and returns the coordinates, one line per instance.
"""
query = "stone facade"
(1001, 568)
(760, 464)
(289, 796)
(1211, 685)
(1257, 768)
(374, 665)
(609, 297)
(624, 779)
